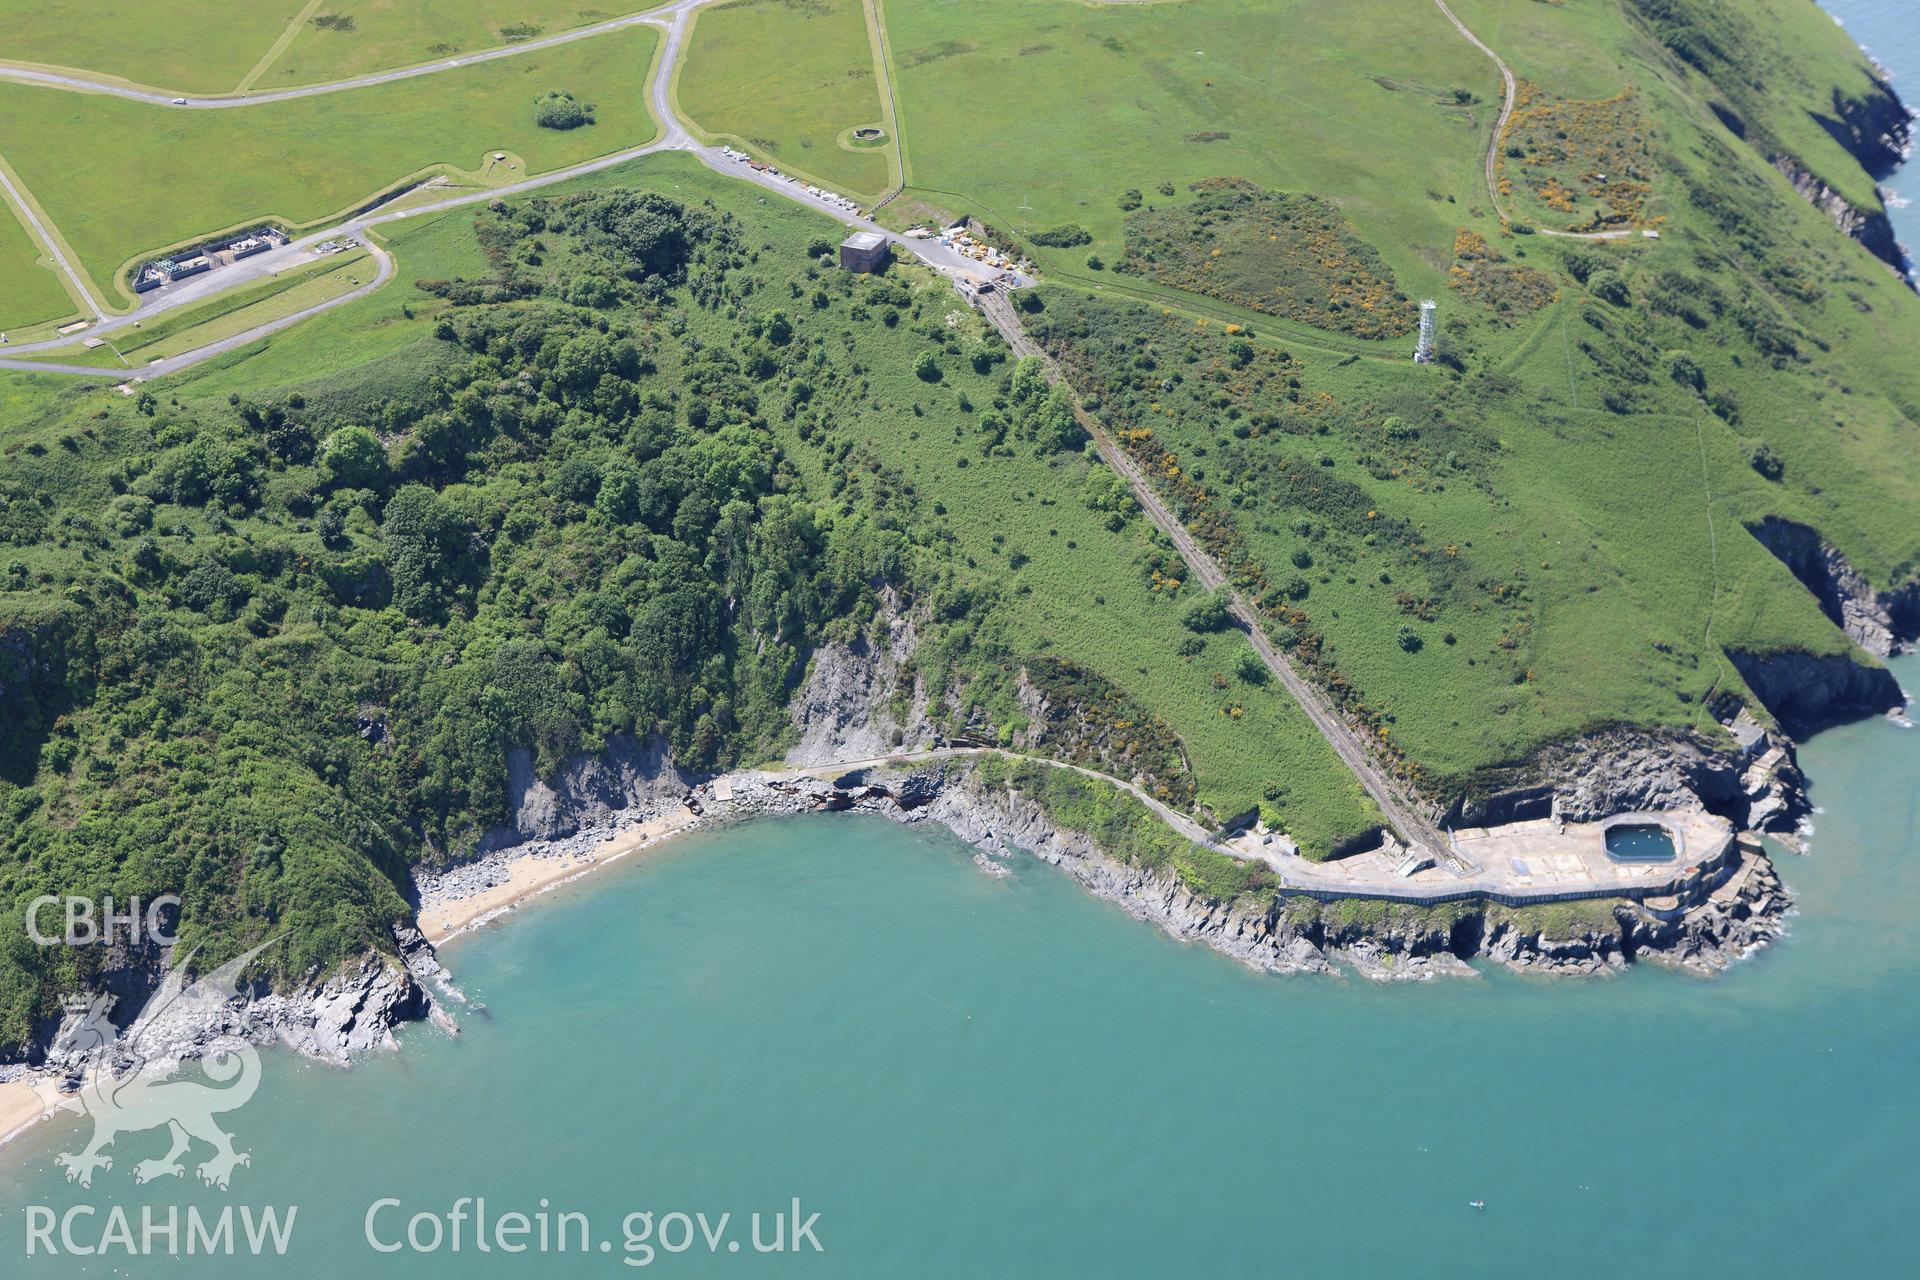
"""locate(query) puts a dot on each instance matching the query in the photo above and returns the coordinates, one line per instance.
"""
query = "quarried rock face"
(846, 709)
(586, 791)
(1612, 771)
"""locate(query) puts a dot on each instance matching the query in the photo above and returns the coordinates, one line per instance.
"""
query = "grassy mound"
(1584, 166)
(1275, 252)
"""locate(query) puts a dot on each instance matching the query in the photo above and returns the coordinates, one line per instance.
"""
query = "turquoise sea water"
(1890, 30)
(968, 1077)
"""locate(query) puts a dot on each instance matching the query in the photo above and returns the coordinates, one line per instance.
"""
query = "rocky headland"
(856, 704)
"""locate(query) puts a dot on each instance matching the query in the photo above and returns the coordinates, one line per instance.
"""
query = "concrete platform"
(1541, 860)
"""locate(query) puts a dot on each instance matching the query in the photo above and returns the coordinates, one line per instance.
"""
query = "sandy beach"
(530, 876)
(22, 1104)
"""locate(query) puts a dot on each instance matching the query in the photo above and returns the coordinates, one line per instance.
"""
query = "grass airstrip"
(218, 46)
(305, 159)
(191, 46)
(346, 38)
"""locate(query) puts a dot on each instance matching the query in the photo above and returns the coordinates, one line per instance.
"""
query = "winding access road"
(1509, 92)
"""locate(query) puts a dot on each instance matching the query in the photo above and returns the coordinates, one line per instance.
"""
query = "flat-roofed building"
(863, 251)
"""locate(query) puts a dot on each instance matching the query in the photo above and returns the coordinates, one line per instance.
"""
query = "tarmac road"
(673, 20)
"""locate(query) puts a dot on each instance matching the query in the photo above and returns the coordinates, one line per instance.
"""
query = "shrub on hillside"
(1208, 613)
(1250, 668)
(1610, 286)
(1582, 263)
(1685, 370)
(1275, 252)
(353, 459)
(1064, 236)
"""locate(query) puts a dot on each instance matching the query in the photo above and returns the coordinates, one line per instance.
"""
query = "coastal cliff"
(1884, 623)
(333, 1019)
(1807, 692)
(1875, 127)
(1869, 225)
(1873, 124)
(857, 703)
(1292, 933)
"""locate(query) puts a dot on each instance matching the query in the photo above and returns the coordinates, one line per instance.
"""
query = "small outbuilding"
(863, 251)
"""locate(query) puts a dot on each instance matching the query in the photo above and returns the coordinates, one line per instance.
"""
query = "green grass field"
(1573, 511)
(193, 46)
(788, 78)
(1566, 557)
(1040, 112)
(398, 33)
(303, 160)
(30, 291)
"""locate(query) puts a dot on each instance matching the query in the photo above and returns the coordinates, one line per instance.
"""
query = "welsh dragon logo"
(148, 1095)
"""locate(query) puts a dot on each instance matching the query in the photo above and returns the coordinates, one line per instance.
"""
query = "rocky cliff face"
(1757, 787)
(847, 708)
(1632, 770)
(1881, 622)
(1808, 692)
(334, 1019)
(587, 791)
(1873, 125)
(1876, 129)
(1870, 226)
